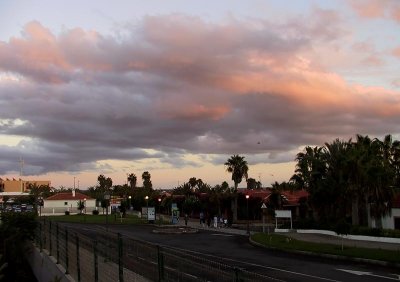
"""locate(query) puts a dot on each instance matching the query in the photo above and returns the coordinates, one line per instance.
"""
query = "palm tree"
(146, 177)
(132, 180)
(239, 169)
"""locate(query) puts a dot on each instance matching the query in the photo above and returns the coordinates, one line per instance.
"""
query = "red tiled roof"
(68, 196)
(293, 198)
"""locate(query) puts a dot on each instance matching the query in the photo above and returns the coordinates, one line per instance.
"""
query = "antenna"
(21, 166)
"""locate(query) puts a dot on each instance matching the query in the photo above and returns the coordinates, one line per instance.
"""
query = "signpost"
(264, 210)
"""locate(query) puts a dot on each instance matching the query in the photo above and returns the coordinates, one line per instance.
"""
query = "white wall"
(58, 206)
(387, 221)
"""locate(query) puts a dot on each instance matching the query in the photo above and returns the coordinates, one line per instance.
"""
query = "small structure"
(390, 221)
(68, 201)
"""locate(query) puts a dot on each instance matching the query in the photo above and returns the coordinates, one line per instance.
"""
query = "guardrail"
(107, 256)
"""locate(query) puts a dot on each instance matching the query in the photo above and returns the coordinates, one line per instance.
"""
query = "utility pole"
(21, 165)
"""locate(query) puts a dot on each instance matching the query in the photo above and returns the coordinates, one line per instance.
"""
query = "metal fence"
(108, 256)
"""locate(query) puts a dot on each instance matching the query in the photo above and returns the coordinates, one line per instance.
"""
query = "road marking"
(359, 273)
(219, 234)
(261, 266)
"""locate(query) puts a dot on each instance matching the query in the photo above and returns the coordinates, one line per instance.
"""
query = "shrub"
(95, 212)
(66, 212)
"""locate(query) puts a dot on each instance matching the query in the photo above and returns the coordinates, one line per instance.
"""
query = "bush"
(342, 227)
(66, 212)
(95, 212)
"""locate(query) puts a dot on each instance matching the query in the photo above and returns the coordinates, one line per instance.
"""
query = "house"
(290, 200)
(68, 201)
(391, 221)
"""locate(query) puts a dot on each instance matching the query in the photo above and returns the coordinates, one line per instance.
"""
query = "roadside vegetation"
(285, 243)
(16, 229)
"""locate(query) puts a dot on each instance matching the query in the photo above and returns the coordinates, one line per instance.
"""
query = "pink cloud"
(396, 52)
(36, 54)
(377, 8)
(199, 112)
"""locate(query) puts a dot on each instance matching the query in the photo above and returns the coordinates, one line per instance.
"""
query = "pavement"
(315, 238)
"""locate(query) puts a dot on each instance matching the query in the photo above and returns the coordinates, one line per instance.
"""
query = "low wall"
(44, 267)
(351, 237)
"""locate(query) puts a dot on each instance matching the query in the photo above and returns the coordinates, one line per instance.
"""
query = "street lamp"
(247, 201)
(84, 206)
(130, 197)
(106, 199)
(147, 206)
(159, 210)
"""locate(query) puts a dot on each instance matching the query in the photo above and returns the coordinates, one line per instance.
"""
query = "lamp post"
(106, 199)
(129, 202)
(84, 206)
(147, 206)
(248, 226)
(159, 210)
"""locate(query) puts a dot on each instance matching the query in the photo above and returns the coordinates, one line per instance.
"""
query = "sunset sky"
(177, 87)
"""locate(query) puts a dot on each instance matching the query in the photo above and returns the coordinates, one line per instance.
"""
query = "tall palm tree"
(132, 180)
(146, 177)
(239, 169)
(336, 157)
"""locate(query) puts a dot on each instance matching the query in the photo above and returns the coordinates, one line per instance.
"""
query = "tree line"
(345, 180)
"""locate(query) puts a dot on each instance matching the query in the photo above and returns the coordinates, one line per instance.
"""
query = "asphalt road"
(235, 250)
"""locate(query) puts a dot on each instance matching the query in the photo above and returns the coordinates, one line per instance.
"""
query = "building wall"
(387, 221)
(60, 206)
(18, 185)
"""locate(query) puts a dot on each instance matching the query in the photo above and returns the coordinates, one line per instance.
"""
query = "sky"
(177, 87)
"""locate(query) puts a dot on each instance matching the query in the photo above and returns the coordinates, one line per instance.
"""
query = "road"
(235, 250)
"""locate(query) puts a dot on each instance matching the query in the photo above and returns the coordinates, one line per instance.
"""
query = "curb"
(329, 256)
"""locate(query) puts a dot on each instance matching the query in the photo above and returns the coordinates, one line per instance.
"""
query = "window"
(397, 223)
(65, 203)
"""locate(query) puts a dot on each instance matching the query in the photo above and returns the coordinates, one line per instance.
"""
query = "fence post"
(96, 264)
(120, 259)
(160, 264)
(77, 258)
(57, 244)
(40, 237)
(66, 251)
(50, 247)
(237, 274)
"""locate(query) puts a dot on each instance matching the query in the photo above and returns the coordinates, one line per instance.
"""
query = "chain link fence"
(107, 256)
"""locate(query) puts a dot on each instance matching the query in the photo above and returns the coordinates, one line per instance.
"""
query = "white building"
(391, 221)
(67, 201)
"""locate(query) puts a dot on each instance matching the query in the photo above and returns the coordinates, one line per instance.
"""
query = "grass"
(282, 242)
(97, 219)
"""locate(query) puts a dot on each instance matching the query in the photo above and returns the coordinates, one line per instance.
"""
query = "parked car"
(16, 208)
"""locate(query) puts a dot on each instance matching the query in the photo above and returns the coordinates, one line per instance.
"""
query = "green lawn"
(282, 242)
(97, 219)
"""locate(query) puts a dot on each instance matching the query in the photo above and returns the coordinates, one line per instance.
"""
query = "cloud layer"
(177, 84)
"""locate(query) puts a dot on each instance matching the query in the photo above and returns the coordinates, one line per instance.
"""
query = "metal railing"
(107, 256)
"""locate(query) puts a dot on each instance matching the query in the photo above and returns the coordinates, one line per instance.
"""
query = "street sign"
(263, 206)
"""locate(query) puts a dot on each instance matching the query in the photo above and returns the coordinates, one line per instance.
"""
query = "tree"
(132, 180)
(251, 184)
(105, 183)
(237, 166)
(146, 177)
(80, 205)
